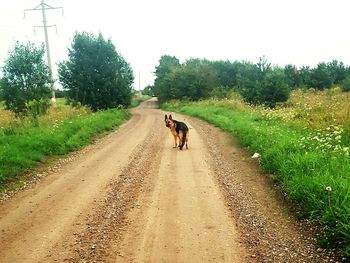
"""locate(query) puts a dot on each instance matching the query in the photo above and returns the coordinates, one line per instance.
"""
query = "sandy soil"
(131, 197)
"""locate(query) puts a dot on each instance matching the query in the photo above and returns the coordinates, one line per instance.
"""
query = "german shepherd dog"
(179, 130)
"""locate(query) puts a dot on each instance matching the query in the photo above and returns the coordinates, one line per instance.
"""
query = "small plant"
(37, 107)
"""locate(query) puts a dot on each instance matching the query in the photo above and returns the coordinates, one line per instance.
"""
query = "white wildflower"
(328, 189)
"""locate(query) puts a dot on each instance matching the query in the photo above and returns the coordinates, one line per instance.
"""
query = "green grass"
(23, 147)
(137, 99)
(304, 171)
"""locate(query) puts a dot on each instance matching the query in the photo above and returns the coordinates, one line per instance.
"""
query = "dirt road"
(131, 197)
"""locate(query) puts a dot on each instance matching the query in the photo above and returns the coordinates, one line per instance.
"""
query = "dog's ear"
(170, 117)
(166, 117)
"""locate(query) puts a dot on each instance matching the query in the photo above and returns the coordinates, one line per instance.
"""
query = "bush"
(345, 84)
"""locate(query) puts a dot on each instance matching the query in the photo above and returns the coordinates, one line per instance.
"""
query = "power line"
(43, 7)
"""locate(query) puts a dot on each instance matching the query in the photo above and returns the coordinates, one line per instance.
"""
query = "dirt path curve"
(132, 198)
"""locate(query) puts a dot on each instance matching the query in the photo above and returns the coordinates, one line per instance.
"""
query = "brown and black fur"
(179, 130)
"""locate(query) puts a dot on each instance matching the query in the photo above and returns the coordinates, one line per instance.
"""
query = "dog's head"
(169, 122)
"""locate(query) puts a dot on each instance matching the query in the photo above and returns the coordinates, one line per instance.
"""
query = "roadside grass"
(137, 99)
(312, 166)
(64, 129)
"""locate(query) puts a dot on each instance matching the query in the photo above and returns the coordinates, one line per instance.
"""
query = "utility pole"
(43, 7)
(139, 80)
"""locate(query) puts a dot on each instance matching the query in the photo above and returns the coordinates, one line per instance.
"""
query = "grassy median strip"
(312, 167)
(23, 146)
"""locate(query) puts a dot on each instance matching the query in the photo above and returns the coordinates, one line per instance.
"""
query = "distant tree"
(345, 85)
(192, 80)
(198, 79)
(148, 90)
(261, 84)
(321, 77)
(60, 93)
(274, 88)
(293, 76)
(95, 75)
(306, 75)
(226, 73)
(337, 71)
(26, 81)
(166, 65)
(249, 82)
(1, 90)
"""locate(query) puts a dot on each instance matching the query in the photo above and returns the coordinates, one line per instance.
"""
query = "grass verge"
(316, 179)
(23, 147)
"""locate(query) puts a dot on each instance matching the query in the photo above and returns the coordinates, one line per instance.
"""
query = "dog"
(179, 130)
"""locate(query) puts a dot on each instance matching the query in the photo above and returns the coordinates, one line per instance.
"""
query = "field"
(304, 144)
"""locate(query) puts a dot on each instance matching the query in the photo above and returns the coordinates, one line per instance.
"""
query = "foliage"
(192, 80)
(345, 84)
(312, 166)
(322, 77)
(60, 93)
(25, 78)
(166, 65)
(95, 75)
(23, 146)
(148, 90)
(259, 83)
(262, 84)
(1, 90)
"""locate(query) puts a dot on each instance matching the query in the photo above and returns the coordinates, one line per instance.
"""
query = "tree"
(274, 88)
(293, 76)
(262, 84)
(26, 80)
(337, 71)
(321, 77)
(345, 85)
(226, 73)
(192, 80)
(1, 90)
(166, 65)
(148, 90)
(95, 75)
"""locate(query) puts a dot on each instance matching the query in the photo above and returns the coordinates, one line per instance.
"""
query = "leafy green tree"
(26, 80)
(337, 71)
(192, 80)
(274, 88)
(226, 73)
(166, 65)
(305, 74)
(293, 76)
(321, 77)
(261, 84)
(95, 75)
(1, 90)
(345, 85)
(148, 90)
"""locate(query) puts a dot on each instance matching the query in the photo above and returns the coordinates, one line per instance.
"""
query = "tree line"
(258, 83)
(94, 75)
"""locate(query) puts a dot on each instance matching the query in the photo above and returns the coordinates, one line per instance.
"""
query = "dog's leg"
(175, 141)
(187, 140)
(180, 140)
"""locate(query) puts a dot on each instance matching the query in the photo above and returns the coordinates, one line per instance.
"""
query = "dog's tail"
(184, 134)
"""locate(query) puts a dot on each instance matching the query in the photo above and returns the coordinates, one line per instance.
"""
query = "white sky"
(300, 32)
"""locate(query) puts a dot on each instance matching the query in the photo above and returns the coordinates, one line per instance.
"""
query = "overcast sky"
(300, 32)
